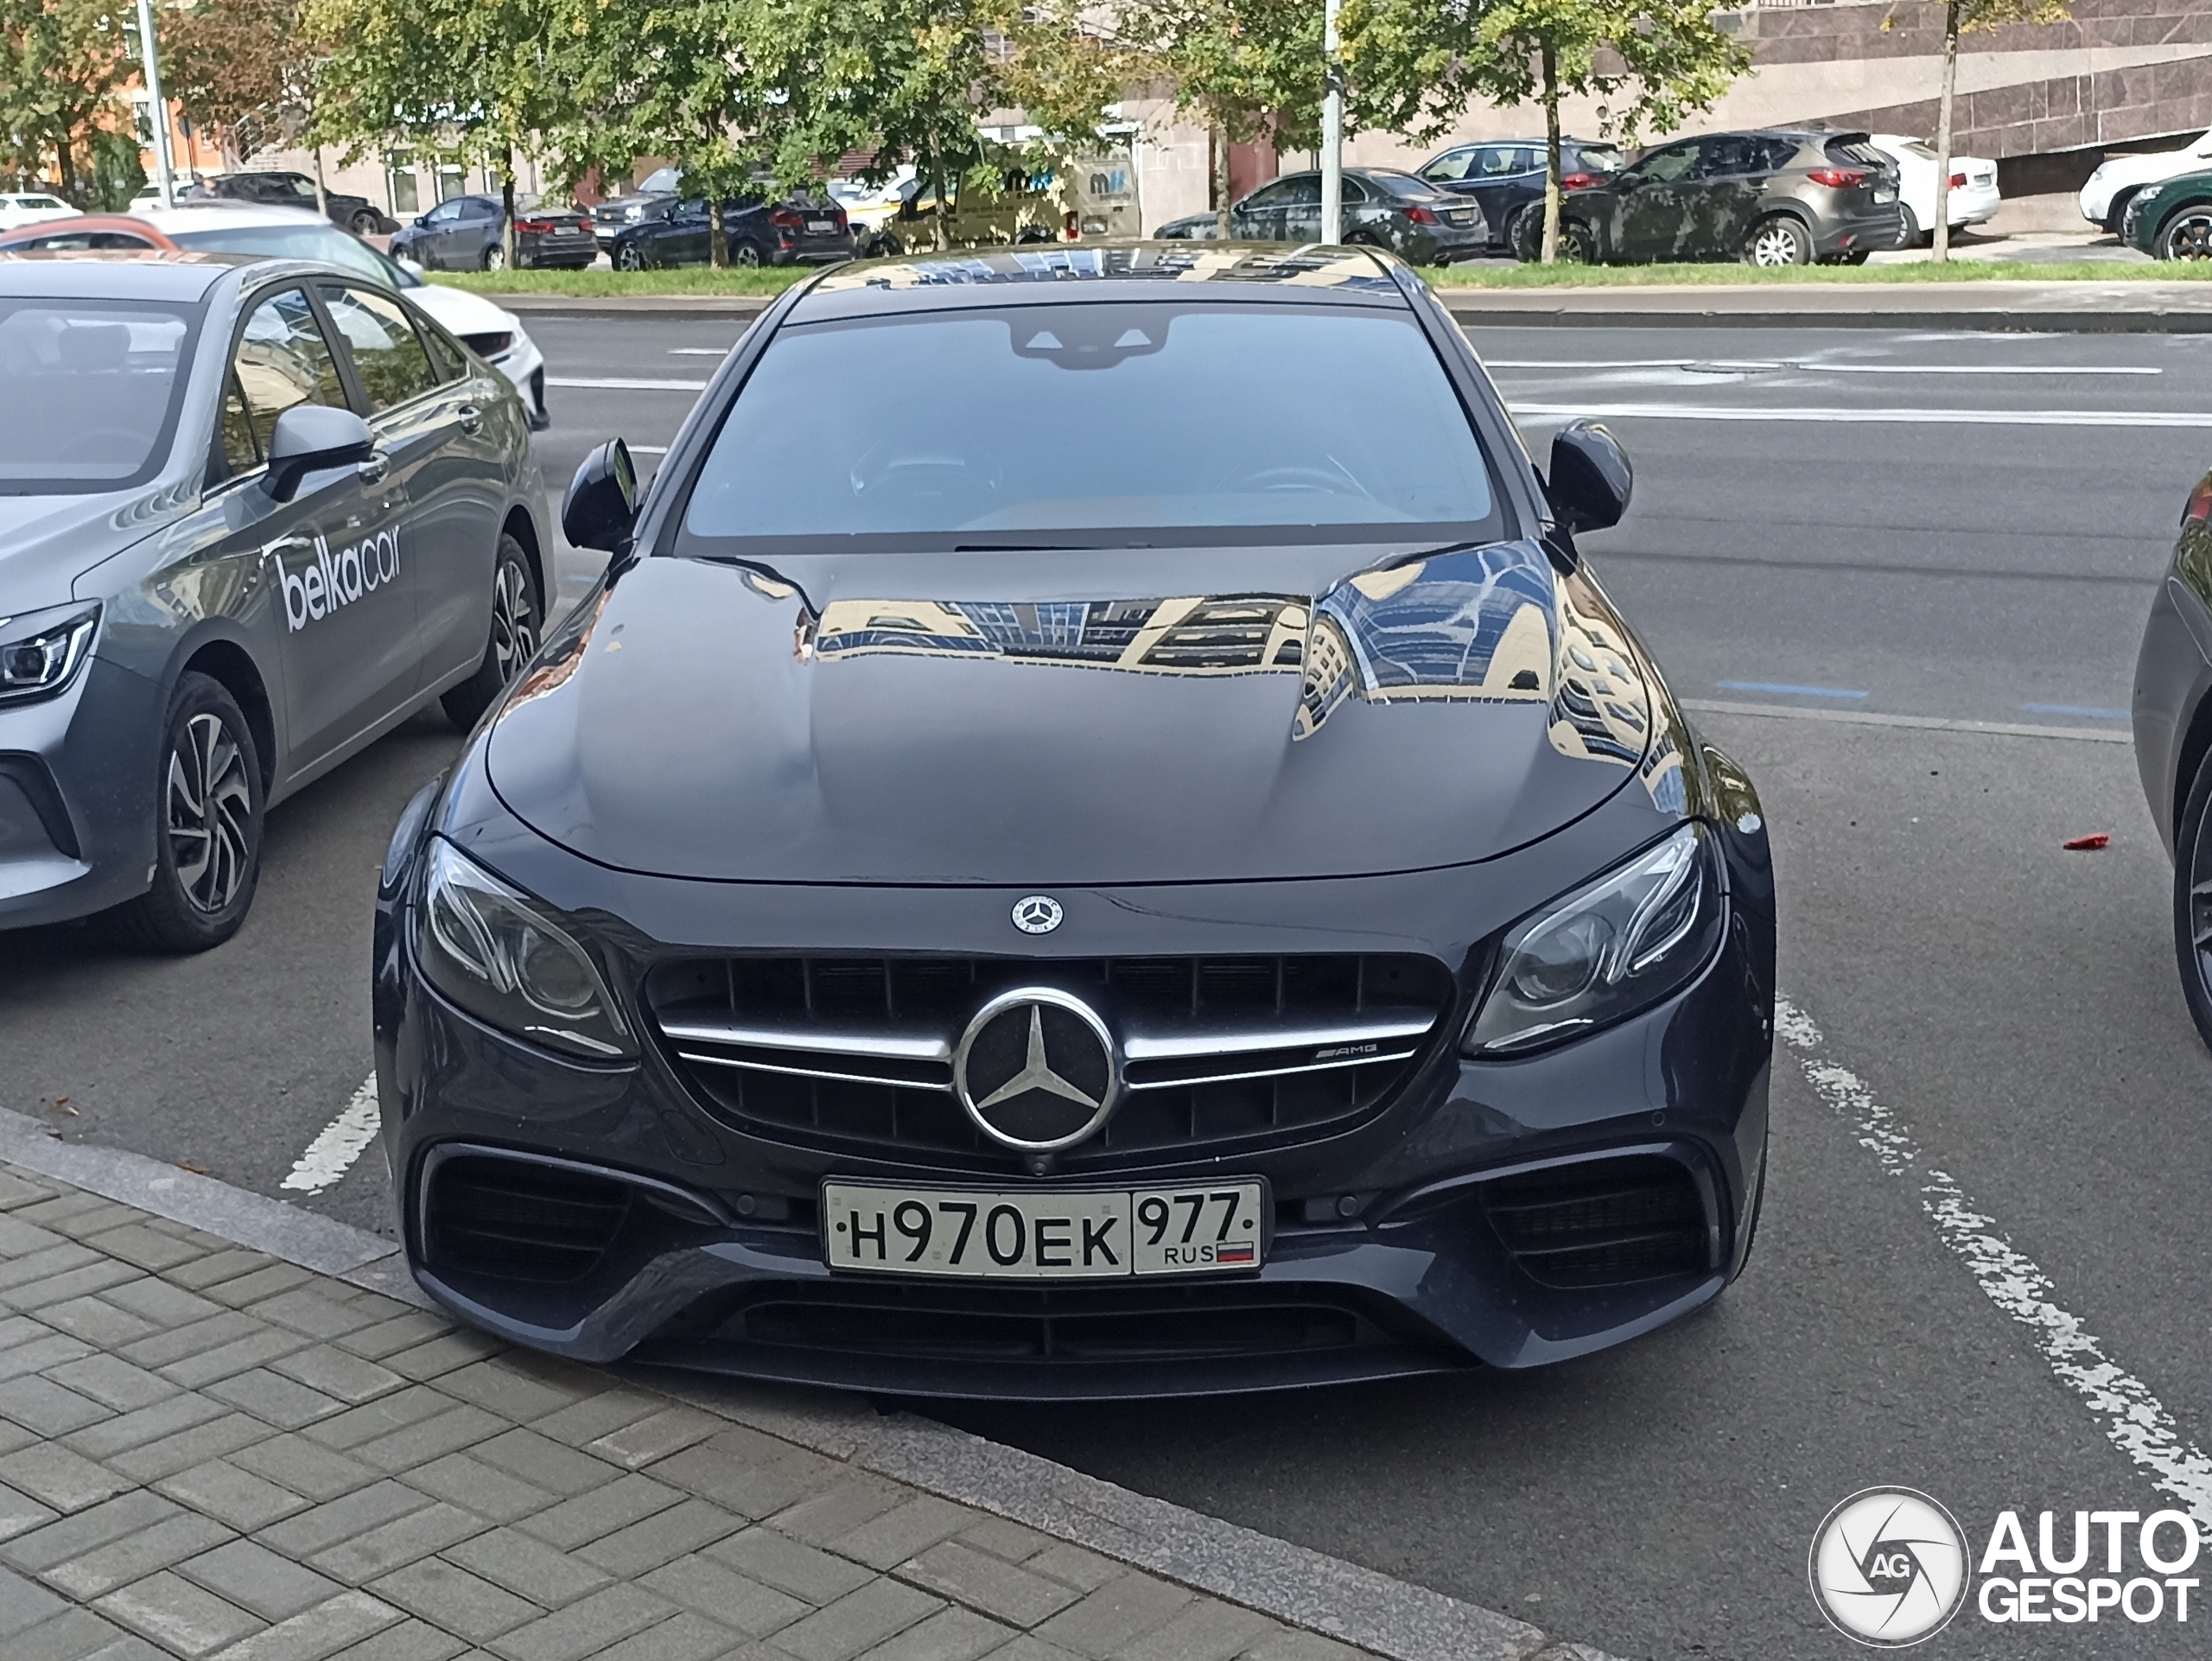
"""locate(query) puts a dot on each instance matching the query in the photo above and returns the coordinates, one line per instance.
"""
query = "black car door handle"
(374, 470)
(470, 418)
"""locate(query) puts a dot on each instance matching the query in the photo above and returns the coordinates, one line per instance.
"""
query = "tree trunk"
(717, 229)
(1550, 54)
(1944, 133)
(68, 166)
(941, 218)
(321, 196)
(510, 244)
(1217, 139)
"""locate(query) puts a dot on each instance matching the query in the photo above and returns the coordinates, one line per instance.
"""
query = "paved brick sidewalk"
(206, 1451)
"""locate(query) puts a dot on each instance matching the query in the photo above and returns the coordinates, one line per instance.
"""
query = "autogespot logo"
(329, 580)
(1889, 1567)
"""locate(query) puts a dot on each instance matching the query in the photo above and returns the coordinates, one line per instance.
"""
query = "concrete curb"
(1299, 1587)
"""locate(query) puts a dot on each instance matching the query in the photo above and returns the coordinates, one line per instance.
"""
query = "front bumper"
(1387, 1257)
(523, 363)
(77, 775)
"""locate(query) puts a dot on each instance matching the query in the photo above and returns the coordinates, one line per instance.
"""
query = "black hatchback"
(1506, 177)
(1769, 198)
(1383, 208)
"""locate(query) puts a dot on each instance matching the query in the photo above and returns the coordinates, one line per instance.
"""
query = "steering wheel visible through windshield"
(1101, 422)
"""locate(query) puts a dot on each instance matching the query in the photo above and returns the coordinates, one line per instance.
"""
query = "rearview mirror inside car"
(310, 437)
(1590, 477)
(602, 501)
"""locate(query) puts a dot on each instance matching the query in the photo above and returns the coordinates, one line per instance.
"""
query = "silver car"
(254, 513)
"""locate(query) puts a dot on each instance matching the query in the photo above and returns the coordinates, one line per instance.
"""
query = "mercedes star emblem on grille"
(1036, 1069)
(1037, 914)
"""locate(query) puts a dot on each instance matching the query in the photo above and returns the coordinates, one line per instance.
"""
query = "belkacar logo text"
(334, 580)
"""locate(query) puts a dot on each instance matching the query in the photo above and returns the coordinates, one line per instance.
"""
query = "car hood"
(48, 542)
(463, 313)
(1068, 719)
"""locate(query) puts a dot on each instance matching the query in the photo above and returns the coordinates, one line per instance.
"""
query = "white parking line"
(1750, 365)
(2133, 1419)
(332, 1154)
(626, 383)
(723, 352)
(1928, 418)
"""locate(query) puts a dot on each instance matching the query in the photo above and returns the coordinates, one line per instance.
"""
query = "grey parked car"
(1383, 208)
(253, 514)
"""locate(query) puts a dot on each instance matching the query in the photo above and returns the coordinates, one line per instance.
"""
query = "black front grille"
(1005, 1324)
(516, 1220)
(1608, 1222)
(934, 997)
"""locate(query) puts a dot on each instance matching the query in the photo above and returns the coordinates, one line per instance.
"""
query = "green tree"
(1963, 16)
(244, 70)
(61, 62)
(474, 81)
(1656, 61)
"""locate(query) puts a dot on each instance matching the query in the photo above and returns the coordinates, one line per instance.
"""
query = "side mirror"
(1589, 477)
(309, 438)
(602, 502)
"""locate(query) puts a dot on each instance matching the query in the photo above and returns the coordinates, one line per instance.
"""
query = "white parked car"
(2105, 198)
(30, 206)
(1974, 195)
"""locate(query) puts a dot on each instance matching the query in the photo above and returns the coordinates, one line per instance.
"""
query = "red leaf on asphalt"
(2085, 844)
(187, 1165)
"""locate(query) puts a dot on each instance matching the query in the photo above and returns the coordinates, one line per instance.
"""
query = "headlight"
(501, 956)
(1604, 951)
(41, 651)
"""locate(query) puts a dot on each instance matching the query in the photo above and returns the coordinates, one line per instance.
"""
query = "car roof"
(114, 274)
(1048, 272)
(224, 216)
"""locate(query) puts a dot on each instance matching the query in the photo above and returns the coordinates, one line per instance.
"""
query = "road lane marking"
(626, 383)
(723, 352)
(1932, 723)
(332, 1154)
(2131, 1416)
(1930, 418)
(1751, 366)
(1793, 691)
(2076, 709)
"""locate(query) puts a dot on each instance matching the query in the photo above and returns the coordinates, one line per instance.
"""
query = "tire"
(628, 257)
(1857, 257)
(495, 259)
(367, 222)
(2193, 908)
(887, 246)
(1576, 245)
(1777, 239)
(1911, 235)
(1512, 230)
(2116, 214)
(744, 256)
(2188, 234)
(207, 828)
(518, 625)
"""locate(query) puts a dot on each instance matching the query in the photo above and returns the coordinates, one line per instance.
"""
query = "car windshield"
(1110, 423)
(1400, 184)
(89, 391)
(302, 241)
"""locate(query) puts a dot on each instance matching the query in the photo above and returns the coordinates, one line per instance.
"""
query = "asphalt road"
(1907, 531)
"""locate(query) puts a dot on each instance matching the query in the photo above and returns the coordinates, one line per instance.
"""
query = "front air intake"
(516, 1220)
(1608, 1222)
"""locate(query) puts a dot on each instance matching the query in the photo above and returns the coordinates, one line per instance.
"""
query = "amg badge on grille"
(1037, 914)
(1037, 1070)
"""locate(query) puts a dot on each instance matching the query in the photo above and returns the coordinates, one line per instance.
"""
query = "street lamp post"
(1332, 129)
(149, 59)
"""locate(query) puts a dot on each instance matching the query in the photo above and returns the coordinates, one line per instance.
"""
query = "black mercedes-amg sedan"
(1098, 838)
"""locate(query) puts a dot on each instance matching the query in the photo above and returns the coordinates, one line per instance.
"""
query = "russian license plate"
(1883, 193)
(982, 1234)
(821, 227)
(1460, 216)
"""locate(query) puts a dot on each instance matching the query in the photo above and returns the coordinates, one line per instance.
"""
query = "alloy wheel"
(2190, 237)
(1778, 242)
(627, 258)
(495, 259)
(745, 255)
(514, 621)
(210, 813)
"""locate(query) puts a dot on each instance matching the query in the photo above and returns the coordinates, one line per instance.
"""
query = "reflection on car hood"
(46, 542)
(714, 720)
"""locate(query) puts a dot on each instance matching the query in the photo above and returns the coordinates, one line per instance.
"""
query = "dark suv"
(1506, 177)
(1770, 198)
(281, 189)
